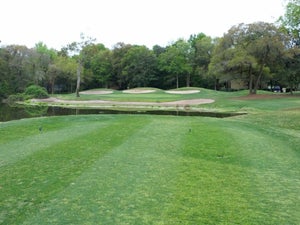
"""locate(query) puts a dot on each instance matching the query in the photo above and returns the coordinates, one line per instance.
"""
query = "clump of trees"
(256, 55)
(250, 52)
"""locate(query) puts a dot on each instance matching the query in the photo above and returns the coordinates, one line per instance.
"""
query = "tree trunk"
(52, 86)
(258, 79)
(251, 85)
(78, 79)
(291, 87)
(217, 84)
(188, 80)
(177, 81)
(261, 70)
(251, 80)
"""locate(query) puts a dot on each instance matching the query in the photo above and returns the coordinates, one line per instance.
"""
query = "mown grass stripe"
(35, 179)
(163, 170)
(135, 175)
(272, 165)
(23, 147)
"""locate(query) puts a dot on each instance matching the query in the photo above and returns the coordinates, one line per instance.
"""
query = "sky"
(57, 23)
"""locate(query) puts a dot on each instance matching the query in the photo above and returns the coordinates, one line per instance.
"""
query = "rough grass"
(137, 169)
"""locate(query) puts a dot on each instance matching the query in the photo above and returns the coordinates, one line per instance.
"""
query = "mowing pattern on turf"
(126, 169)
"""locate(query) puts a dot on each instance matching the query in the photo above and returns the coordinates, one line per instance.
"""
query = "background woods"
(249, 56)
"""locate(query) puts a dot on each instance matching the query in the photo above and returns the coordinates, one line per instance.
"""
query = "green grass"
(139, 169)
(224, 101)
(157, 96)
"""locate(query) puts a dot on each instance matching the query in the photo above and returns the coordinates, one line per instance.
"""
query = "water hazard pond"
(8, 113)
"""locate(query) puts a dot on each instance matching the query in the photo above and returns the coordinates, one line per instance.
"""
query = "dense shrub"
(15, 98)
(35, 91)
(4, 90)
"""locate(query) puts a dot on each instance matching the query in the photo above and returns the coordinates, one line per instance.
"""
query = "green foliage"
(140, 65)
(4, 89)
(249, 52)
(118, 53)
(16, 98)
(100, 65)
(290, 24)
(291, 18)
(35, 91)
(202, 46)
(176, 61)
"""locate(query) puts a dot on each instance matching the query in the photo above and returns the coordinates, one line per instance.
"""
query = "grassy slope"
(224, 101)
(126, 169)
(157, 96)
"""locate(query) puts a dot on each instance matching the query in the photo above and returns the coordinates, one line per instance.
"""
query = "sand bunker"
(138, 91)
(96, 92)
(103, 102)
(183, 92)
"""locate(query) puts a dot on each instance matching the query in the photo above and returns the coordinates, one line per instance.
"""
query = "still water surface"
(8, 113)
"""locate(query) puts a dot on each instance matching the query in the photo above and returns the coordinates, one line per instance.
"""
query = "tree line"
(256, 54)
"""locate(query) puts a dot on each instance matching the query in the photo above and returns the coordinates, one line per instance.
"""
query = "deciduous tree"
(249, 51)
(176, 60)
(290, 23)
(75, 49)
(139, 66)
(118, 52)
(202, 46)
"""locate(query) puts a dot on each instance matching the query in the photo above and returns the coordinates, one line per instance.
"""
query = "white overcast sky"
(143, 22)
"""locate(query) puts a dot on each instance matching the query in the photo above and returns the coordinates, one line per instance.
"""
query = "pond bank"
(181, 103)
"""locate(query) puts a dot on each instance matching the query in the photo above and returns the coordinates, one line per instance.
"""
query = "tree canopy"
(257, 55)
(249, 52)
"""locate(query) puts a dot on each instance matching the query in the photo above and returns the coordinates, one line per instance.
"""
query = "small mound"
(183, 92)
(138, 91)
(96, 92)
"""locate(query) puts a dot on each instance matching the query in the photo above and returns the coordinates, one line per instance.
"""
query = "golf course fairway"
(141, 169)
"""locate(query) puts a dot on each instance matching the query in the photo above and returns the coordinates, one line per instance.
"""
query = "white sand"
(96, 92)
(138, 91)
(183, 92)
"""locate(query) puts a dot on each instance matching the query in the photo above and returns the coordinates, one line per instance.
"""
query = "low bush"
(15, 98)
(35, 91)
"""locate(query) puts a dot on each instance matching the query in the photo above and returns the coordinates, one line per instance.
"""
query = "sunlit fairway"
(142, 169)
